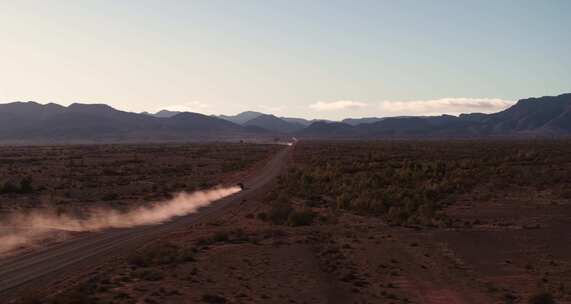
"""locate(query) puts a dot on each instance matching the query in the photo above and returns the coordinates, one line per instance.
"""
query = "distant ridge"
(358, 121)
(31, 122)
(275, 124)
(286, 124)
(242, 117)
(548, 116)
(166, 113)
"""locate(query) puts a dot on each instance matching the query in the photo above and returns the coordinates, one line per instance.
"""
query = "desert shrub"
(161, 254)
(9, 187)
(509, 298)
(225, 236)
(236, 165)
(74, 296)
(239, 236)
(410, 182)
(213, 299)
(149, 275)
(301, 218)
(279, 213)
(262, 216)
(24, 187)
(138, 260)
(221, 237)
(397, 215)
(111, 172)
(542, 298)
(122, 296)
(110, 197)
(186, 255)
(32, 297)
(566, 194)
(83, 292)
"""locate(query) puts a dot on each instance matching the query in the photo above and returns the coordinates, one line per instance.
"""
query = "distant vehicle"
(241, 185)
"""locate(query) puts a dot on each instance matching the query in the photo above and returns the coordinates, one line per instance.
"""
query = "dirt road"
(54, 263)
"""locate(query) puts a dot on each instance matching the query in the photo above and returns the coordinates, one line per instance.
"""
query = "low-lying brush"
(410, 183)
(542, 298)
(301, 218)
(234, 236)
(213, 299)
(148, 275)
(161, 254)
(282, 213)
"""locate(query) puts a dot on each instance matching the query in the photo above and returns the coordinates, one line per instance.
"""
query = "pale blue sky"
(323, 59)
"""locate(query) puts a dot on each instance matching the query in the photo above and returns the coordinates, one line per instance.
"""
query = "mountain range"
(31, 122)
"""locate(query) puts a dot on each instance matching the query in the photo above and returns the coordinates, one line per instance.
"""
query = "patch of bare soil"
(516, 249)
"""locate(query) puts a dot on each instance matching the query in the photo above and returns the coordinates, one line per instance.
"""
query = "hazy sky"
(318, 59)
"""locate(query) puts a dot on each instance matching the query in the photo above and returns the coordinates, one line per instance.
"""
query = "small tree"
(542, 298)
(9, 188)
(26, 185)
(279, 213)
(301, 218)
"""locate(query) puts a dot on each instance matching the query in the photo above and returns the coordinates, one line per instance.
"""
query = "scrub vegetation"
(410, 183)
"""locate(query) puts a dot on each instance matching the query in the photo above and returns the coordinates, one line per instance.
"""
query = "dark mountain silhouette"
(241, 118)
(31, 122)
(31, 110)
(244, 117)
(188, 122)
(445, 125)
(324, 129)
(166, 113)
(301, 121)
(273, 123)
(358, 121)
(544, 116)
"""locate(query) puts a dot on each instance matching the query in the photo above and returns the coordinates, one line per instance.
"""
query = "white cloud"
(451, 106)
(337, 105)
(191, 106)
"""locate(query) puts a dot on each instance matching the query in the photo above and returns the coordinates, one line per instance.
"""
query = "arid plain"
(344, 222)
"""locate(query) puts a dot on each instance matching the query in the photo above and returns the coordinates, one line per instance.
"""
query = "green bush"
(24, 187)
(110, 197)
(301, 218)
(542, 298)
(262, 216)
(279, 213)
(161, 254)
(221, 237)
(149, 275)
(213, 299)
(73, 297)
(227, 236)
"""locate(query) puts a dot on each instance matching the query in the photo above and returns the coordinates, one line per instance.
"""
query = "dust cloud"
(21, 230)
